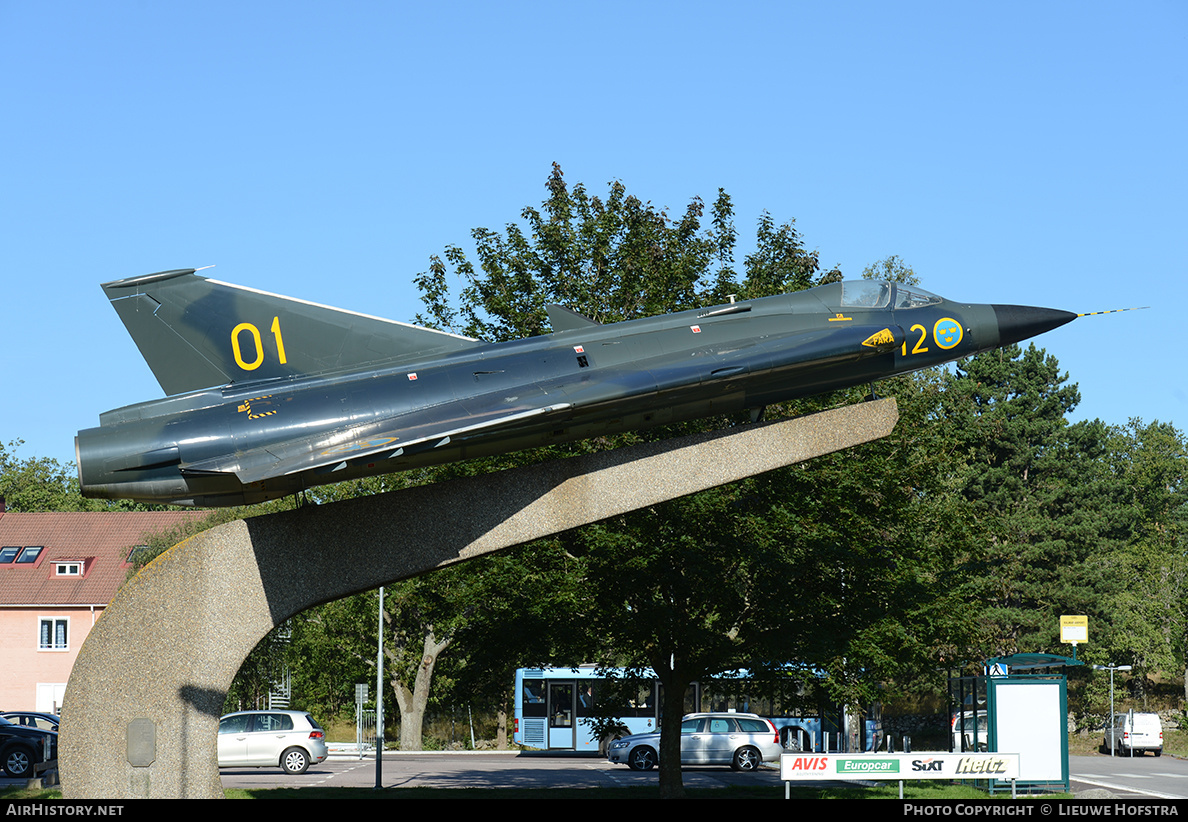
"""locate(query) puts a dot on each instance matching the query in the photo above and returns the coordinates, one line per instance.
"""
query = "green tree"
(693, 587)
(615, 259)
(333, 648)
(263, 672)
(38, 483)
(421, 618)
(455, 634)
(1149, 612)
(530, 612)
(892, 269)
(1039, 492)
(44, 484)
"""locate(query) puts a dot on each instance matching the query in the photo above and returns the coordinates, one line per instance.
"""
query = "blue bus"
(554, 707)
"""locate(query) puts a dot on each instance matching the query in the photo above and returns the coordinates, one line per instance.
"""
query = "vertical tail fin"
(196, 333)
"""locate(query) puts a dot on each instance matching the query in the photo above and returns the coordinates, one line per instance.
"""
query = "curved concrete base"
(142, 707)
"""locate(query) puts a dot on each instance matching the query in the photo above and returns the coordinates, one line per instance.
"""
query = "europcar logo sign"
(884, 765)
(899, 766)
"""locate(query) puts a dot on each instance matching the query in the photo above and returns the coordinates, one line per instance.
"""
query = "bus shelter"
(1018, 705)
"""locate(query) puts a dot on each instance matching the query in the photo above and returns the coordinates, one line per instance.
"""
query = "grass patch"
(889, 790)
(1175, 742)
(23, 794)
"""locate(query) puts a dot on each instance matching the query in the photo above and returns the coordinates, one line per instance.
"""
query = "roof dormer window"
(28, 555)
(68, 569)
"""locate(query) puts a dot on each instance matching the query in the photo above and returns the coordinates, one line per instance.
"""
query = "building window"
(8, 553)
(68, 569)
(54, 634)
(30, 554)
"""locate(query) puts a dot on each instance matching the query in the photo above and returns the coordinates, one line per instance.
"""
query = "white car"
(742, 741)
(290, 740)
(971, 731)
(1134, 733)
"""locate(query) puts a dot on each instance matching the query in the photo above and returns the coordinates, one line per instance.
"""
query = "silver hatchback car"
(742, 741)
(291, 740)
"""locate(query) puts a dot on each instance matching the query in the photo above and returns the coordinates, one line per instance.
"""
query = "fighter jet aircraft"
(269, 395)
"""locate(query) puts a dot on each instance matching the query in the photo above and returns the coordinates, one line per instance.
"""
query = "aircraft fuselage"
(255, 439)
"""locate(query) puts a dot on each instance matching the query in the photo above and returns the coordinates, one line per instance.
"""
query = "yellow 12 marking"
(919, 347)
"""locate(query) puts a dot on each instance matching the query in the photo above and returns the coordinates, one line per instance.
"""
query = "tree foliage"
(39, 483)
(1039, 491)
(1148, 608)
(816, 565)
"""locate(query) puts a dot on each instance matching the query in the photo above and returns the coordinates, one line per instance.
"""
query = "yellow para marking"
(839, 317)
(884, 337)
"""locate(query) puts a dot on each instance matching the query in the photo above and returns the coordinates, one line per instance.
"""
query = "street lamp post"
(1111, 669)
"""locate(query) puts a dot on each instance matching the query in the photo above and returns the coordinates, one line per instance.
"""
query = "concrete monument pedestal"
(142, 707)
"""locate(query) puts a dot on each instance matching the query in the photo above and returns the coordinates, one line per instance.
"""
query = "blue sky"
(1009, 152)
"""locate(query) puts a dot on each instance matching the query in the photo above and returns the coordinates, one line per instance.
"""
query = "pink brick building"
(58, 571)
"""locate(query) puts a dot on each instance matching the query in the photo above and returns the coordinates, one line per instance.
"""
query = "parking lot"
(1165, 777)
(484, 770)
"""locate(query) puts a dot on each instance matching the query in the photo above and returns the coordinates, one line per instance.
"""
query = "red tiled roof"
(101, 540)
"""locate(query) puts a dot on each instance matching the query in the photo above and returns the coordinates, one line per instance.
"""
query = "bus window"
(561, 700)
(533, 704)
(643, 703)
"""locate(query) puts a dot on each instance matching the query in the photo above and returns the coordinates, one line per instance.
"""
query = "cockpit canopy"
(875, 294)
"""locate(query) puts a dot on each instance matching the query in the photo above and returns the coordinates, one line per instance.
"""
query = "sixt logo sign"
(868, 766)
(930, 765)
(810, 763)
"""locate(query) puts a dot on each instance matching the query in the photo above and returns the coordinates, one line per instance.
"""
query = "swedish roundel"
(946, 333)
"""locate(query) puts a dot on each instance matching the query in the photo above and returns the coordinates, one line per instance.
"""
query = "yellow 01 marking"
(255, 332)
(280, 343)
(237, 349)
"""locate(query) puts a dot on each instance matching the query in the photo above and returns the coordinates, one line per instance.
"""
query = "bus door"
(561, 715)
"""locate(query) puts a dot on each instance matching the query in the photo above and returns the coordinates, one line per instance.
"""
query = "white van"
(1135, 733)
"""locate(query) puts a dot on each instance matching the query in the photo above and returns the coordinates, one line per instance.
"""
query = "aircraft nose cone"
(1018, 322)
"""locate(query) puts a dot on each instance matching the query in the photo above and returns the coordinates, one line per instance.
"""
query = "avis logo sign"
(810, 763)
